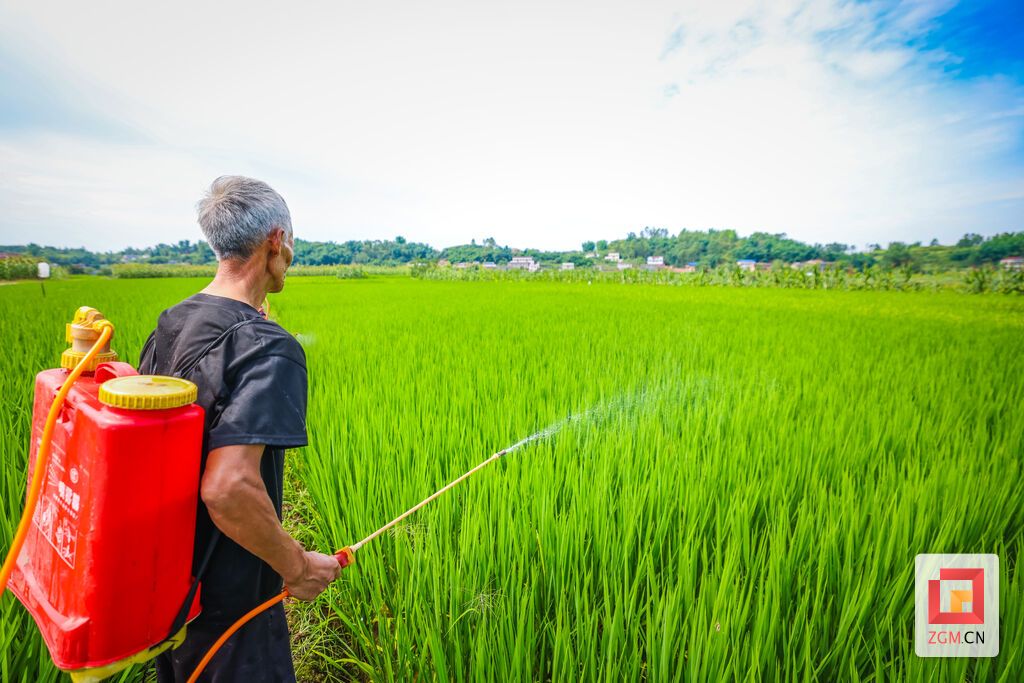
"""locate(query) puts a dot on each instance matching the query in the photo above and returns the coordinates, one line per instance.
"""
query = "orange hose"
(43, 454)
(230, 632)
(345, 557)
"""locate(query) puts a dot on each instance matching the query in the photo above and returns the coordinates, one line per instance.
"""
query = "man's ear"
(275, 241)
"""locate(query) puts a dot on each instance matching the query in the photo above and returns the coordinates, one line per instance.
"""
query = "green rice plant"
(135, 271)
(758, 517)
(734, 486)
(780, 275)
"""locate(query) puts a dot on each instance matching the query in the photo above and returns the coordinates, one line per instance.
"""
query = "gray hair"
(238, 213)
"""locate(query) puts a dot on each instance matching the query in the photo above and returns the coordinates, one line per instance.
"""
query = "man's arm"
(239, 505)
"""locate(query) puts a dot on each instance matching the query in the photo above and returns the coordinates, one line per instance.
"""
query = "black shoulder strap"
(187, 370)
(182, 616)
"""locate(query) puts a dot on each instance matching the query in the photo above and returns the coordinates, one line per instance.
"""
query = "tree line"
(703, 248)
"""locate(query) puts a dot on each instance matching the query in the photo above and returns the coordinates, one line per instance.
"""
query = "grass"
(745, 504)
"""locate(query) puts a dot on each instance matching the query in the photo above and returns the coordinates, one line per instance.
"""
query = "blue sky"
(986, 36)
(538, 124)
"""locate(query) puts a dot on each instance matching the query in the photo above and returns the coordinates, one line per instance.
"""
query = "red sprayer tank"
(107, 561)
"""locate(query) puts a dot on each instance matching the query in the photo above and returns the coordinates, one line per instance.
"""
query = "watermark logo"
(956, 603)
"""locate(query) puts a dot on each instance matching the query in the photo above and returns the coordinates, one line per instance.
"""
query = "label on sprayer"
(58, 513)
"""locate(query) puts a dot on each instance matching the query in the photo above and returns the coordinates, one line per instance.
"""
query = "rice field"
(732, 485)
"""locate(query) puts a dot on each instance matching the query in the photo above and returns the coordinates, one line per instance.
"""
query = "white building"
(747, 264)
(568, 265)
(490, 265)
(612, 256)
(522, 263)
(622, 265)
(1012, 263)
(656, 261)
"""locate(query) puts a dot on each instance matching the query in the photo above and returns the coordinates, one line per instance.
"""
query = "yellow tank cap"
(147, 392)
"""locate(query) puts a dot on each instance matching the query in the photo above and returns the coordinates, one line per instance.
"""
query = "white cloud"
(536, 123)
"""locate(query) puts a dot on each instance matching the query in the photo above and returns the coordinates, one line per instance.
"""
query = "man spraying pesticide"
(251, 376)
(136, 477)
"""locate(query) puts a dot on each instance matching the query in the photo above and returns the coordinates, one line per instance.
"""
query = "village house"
(568, 265)
(747, 264)
(655, 262)
(490, 265)
(522, 263)
(612, 256)
(1012, 263)
(813, 264)
(622, 265)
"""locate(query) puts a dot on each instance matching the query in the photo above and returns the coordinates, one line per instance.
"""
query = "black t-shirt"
(251, 376)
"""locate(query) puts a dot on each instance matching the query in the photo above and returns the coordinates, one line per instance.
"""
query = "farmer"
(251, 376)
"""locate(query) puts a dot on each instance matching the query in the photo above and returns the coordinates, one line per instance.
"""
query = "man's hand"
(239, 505)
(318, 570)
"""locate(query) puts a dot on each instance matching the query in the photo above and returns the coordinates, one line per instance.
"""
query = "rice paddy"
(731, 484)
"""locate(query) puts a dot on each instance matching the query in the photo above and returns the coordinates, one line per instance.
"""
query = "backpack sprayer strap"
(187, 370)
(182, 616)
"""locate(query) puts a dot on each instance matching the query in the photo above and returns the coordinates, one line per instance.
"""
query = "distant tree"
(970, 240)
(589, 247)
(835, 251)
(898, 254)
(1002, 245)
(654, 233)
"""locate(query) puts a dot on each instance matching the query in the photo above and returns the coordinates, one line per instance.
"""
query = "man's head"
(248, 224)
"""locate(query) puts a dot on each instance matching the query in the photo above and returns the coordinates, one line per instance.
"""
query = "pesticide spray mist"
(644, 398)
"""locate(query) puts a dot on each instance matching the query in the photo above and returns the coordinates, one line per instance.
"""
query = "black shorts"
(258, 653)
